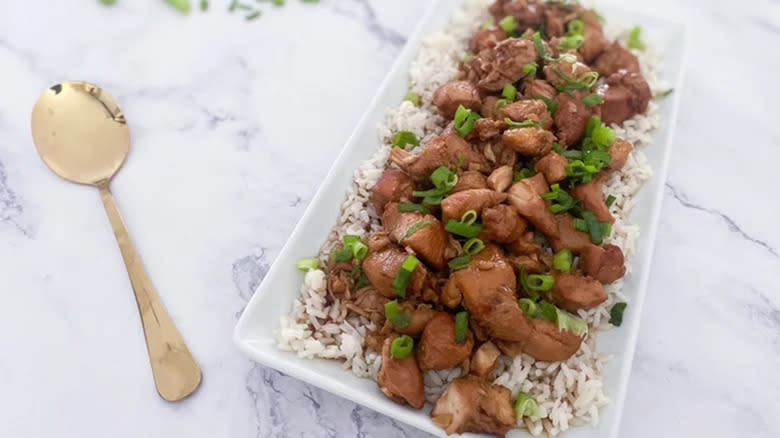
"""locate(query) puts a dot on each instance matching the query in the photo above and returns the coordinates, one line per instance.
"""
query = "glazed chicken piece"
(538, 87)
(484, 360)
(393, 186)
(619, 152)
(546, 342)
(339, 280)
(486, 39)
(437, 349)
(469, 180)
(573, 292)
(501, 178)
(524, 245)
(604, 263)
(470, 404)
(529, 109)
(569, 237)
(528, 13)
(528, 141)
(401, 379)
(429, 242)
(454, 206)
(552, 166)
(533, 263)
(592, 198)
(383, 262)
(571, 117)
(369, 303)
(449, 96)
(615, 58)
(485, 129)
(524, 197)
(493, 68)
(420, 314)
(625, 95)
(595, 42)
(558, 73)
(488, 286)
(443, 150)
(501, 224)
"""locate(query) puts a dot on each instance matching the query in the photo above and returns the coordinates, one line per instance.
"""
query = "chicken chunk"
(573, 292)
(469, 180)
(393, 186)
(604, 263)
(444, 150)
(486, 39)
(595, 42)
(546, 342)
(420, 315)
(484, 360)
(524, 245)
(501, 224)
(538, 87)
(528, 141)
(501, 178)
(619, 152)
(571, 117)
(625, 95)
(470, 404)
(569, 237)
(383, 262)
(369, 303)
(401, 379)
(454, 206)
(615, 58)
(429, 242)
(437, 349)
(533, 263)
(529, 109)
(560, 73)
(449, 96)
(524, 197)
(592, 198)
(485, 129)
(552, 166)
(493, 68)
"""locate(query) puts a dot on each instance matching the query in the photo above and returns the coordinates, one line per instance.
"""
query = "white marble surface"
(234, 124)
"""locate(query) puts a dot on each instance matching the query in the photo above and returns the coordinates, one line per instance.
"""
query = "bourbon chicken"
(494, 235)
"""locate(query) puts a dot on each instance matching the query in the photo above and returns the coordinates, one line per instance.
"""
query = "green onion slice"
(526, 172)
(413, 229)
(552, 105)
(537, 39)
(343, 255)
(567, 321)
(401, 347)
(592, 100)
(444, 177)
(402, 277)
(307, 264)
(464, 120)
(528, 306)
(610, 200)
(576, 27)
(524, 283)
(473, 246)
(594, 227)
(526, 406)
(469, 217)
(562, 260)
(530, 69)
(580, 225)
(508, 23)
(616, 314)
(509, 92)
(397, 316)
(459, 262)
(571, 42)
(410, 206)
(359, 250)
(462, 229)
(461, 327)
(524, 124)
(403, 138)
(413, 97)
(500, 103)
(538, 282)
(633, 39)
(664, 93)
(593, 123)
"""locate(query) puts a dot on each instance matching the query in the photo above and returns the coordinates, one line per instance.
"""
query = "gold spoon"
(82, 136)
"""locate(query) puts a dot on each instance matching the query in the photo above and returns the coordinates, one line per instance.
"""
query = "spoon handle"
(176, 375)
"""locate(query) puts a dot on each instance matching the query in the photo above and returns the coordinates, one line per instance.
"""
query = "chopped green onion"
(567, 321)
(597, 158)
(413, 97)
(576, 169)
(459, 262)
(510, 92)
(108, 2)
(576, 27)
(530, 69)
(500, 103)
(528, 306)
(526, 406)
(593, 123)
(490, 22)
(464, 120)
(278, 2)
(473, 246)
(592, 100)
(552, 105)
(606, 229)
(444, 177)
(359, 250)
(562, 260)
(571, 42)
(403, 138)
(182, 6)
(524, 124)
(461, 327)
(350, 239)
(462, 229)
(548, 311)
(594, 227)
(561, 199)
(664, 93)
(616, 314)
(401, 347)
(524, 173)
(603, 136)
(469, 217)
(610, 200)
(204, 5)
(580, 225)
(253, 15)
(633, 39)
(524, 283)
(307, 264)
(540, 282)
(537, 39)
(467, 58)
(402, 277)
(413, 229)
(410, 206)
(508, 23)
(397, 316)
(343, 255)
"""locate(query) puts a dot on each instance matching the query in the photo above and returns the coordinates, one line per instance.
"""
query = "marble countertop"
(235, 122)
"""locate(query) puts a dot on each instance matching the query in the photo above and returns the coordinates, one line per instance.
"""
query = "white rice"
(569, 393)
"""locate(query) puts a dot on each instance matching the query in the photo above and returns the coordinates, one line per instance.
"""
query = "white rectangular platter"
(273, 298)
